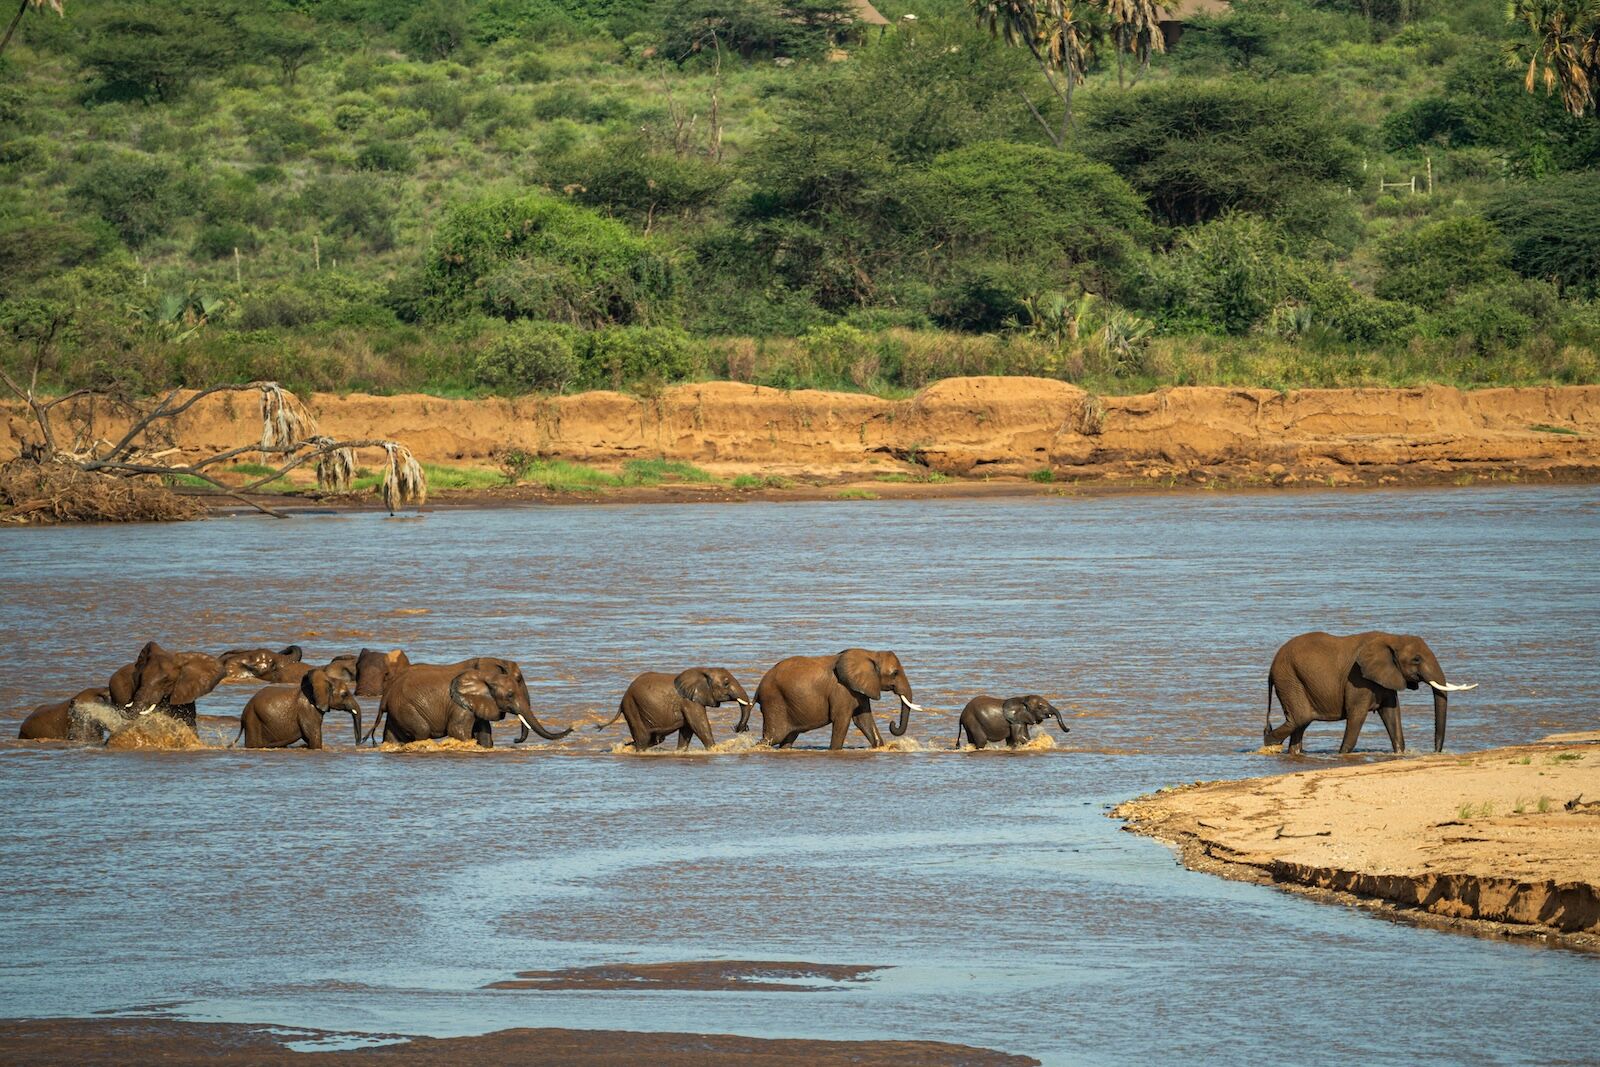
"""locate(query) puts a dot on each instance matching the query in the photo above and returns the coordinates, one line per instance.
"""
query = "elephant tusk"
(906, 703)
(744, 703)
(1448, 688)
(148, 710)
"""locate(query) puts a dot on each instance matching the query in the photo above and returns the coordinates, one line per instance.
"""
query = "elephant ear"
(150, 651)
(470, 690)
(1013, 707)
(195, 679)
(857, 671)
(120, 688)
(294, 652)
(1375, 660)
(318, 688)
(694, 686)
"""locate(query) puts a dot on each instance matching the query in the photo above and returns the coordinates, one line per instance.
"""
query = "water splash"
(432, 746)
(735, 745)
(154, 731)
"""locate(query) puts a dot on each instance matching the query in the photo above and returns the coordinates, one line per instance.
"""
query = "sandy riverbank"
(977, 428)
(114, 1042)
(1499, 843)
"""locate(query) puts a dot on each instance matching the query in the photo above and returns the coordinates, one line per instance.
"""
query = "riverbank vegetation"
(547, 195)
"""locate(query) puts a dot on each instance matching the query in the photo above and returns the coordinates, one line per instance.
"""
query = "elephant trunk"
(1060, 721)
(744, 716)
(355, 716)
(1440, 701)
(530, 722)
(898, 728)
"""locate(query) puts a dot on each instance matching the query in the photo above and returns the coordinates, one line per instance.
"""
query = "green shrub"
(442, 102)
(1377, 323)
(528, 356)
(1425, 265)
(1025, 204)
(983, 297)
(384, 156)
(139, 196)
(617, 355)
(629, 176)
(437, 29)
(361, 207)
(532, 256)
(1499, 316)
(1224, 276)
(219, 239)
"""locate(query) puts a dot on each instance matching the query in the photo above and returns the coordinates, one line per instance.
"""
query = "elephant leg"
(685, 735)
(1296, 737)
(483, 733)
(700, 724)
(841, 726)
(312, 732)
(869, 729)
(1353, 722)
(1274, 737)
(1390, 714)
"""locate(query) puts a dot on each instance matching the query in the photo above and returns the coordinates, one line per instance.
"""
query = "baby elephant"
(280, 715)
(989, 720)
(657, 705)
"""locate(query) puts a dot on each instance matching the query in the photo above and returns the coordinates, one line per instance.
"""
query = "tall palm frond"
(1565, 53)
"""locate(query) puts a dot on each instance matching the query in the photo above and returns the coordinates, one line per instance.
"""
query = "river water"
(375, 892)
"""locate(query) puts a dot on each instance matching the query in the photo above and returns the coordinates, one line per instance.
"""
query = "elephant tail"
(611, 720)
(377, 721)
(1269, 701)
(238, 735)
(959, 727)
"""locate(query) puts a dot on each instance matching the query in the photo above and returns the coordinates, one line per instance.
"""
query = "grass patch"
(857, 494)
(756, 481)
(251, 470)
(656, 471)
(560, 476)
(921, 477)
(1043, 474)
(1542, 427)
(1475, 811)
(1566, 757)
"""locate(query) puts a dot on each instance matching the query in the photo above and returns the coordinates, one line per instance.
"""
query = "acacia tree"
(1565, 54)
(1060, 34)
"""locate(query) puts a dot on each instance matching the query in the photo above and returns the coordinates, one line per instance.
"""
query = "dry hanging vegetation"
(90, 478)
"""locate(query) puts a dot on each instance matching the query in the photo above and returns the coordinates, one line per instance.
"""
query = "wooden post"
(238, 279)
(316, 251)
(1430, 174)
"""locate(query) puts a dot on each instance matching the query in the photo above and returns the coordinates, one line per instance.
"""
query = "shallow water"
(379, 892)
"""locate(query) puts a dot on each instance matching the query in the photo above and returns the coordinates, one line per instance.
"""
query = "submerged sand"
(104, 1042)
(1504, 842)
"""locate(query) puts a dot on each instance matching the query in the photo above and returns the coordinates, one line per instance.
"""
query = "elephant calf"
(280, 715)
(989, 720)
(67, 720)
(657, 705)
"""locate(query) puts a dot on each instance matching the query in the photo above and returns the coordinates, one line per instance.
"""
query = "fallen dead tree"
(71, 474)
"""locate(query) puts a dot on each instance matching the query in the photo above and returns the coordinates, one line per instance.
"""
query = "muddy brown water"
(377, 892)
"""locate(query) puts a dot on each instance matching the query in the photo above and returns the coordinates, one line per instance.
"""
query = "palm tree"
(1061, 35)
(1566, 54)
(53, 5)
(1136, 30)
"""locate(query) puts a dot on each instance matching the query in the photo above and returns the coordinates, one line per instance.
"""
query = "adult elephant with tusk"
(657, 705)
(1322, 678)
(461, 701)
(808, 692)
(165, 681)
(280, 715)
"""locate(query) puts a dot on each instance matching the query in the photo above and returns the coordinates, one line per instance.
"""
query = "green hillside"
(516, 195)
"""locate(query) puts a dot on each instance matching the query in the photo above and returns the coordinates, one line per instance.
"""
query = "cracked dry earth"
(1504, 842)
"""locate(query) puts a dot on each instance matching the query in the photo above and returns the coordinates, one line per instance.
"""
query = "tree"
(1566, 53)
(1197, 149)
(1553, 228)
(1135, 27)
(53, 5)
(288, 39)
(144, 53)
(1061, 36)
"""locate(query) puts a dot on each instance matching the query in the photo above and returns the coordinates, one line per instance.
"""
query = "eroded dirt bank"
(116, 1042)
(1500, 843)
(977, 427)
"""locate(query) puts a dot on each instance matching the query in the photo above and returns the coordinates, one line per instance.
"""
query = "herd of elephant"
(1316, 676)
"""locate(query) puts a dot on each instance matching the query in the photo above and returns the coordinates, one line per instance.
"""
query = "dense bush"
(629, 176)
(614, 356)
(1426, 265)
(528, 356)
(532, 256)
(140, 196)
(1224, 276)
